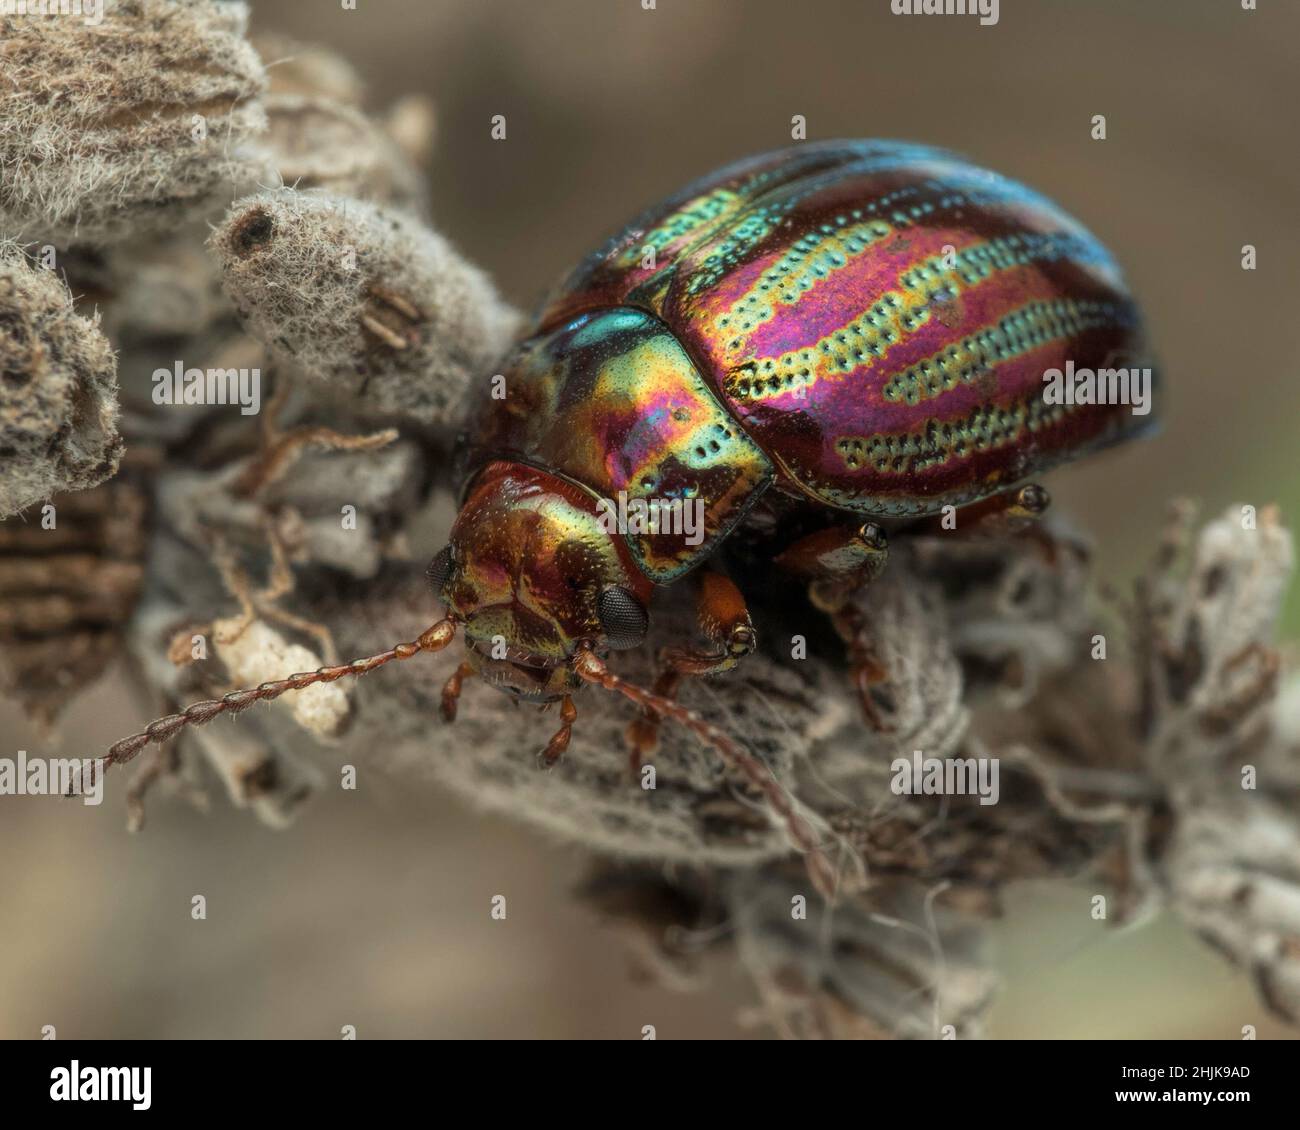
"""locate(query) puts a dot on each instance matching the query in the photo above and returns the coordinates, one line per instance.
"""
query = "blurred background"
(371, 910)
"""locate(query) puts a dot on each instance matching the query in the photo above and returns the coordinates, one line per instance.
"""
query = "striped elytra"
(862, 324)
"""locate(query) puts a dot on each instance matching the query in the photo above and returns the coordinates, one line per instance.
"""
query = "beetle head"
(532, 572)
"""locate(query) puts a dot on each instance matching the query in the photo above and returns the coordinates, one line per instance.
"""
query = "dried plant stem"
(823, 874)
(271, 465)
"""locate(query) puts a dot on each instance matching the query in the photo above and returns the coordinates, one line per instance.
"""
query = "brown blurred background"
(373, 910)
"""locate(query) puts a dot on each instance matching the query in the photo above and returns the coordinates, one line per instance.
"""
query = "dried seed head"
(315, 142)
(58, 389)
(146, 289)
(67, 594)
(364, 298)
(129, 125)
(867, 975)
(1233, 873)
(308, 69)
(412, 122)
(319, 138)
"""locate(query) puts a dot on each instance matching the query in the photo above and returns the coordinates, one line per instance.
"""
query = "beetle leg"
(1011, 512)
(451, 690)
(724, 621)
(591, 669)
(560, 739)
(837, 563)
(865, 669)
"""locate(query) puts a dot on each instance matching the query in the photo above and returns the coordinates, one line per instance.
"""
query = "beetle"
(859, 329)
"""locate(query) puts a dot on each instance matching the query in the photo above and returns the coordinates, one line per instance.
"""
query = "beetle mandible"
(859, 329)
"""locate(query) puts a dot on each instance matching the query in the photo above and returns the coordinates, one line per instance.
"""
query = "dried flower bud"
(149, 288)
(382, 485)
(412, 122)
(307, 68)
(319, 138)
(365, 298)
(58, 412)
(66, 594)
(1234, 875)
(314, 142)
(112, 129)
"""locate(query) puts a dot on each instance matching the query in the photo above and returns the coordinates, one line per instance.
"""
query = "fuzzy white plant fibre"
(58, 389)
(363, 298)
(294, 67)
(316, 143)
(127, 126)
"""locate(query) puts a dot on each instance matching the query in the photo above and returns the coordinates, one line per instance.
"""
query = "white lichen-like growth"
(256, 653)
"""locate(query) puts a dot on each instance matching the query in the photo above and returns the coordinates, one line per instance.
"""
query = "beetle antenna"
(592, 669)
(434, 639)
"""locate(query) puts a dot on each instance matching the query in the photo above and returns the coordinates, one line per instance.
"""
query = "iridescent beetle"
(862, 327)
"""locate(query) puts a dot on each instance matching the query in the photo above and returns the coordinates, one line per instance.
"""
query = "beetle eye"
(439, 569)
(624, 620)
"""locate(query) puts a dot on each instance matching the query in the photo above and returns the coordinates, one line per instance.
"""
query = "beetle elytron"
(861, 327)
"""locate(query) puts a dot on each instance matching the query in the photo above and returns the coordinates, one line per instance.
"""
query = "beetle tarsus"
(642, 738)
(724, 621)
(451, 691)
(837, 562)
(560, 739)
(1011, 512)
(865, 669)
